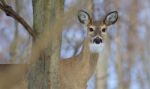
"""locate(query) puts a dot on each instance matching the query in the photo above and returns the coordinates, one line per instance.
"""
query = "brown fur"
(76, 71)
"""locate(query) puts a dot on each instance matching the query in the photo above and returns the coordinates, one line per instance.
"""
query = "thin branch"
(10, 12)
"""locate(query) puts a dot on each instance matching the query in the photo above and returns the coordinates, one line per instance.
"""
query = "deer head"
(96, 30)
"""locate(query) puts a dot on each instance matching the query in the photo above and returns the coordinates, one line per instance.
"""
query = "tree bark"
(44, 74)
(57, 8)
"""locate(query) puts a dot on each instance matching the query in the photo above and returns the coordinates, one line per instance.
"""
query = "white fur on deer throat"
(96, 48)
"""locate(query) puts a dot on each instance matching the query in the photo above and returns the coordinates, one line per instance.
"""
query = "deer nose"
(97, 40)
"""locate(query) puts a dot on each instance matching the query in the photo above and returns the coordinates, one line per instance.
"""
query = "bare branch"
(10, 12)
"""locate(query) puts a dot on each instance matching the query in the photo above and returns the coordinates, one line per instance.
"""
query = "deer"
(76, 71)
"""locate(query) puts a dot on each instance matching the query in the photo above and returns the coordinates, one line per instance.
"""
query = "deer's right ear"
(111, 18)
(83, 17)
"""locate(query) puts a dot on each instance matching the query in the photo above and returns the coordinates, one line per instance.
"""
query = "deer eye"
(91, 29)
(104, 30)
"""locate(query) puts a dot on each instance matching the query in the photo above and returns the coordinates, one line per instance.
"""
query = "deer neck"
(87, 56)
(76, 71)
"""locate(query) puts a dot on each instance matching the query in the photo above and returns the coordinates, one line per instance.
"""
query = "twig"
(10, 12)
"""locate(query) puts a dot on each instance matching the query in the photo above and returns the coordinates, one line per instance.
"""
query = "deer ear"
(83, 17)
(111, 18)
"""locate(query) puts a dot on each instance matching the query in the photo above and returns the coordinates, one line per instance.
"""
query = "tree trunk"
(57, 8)
(45, 13)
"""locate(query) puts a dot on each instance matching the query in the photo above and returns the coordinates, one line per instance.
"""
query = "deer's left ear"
(111, 18)
(83, 17)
